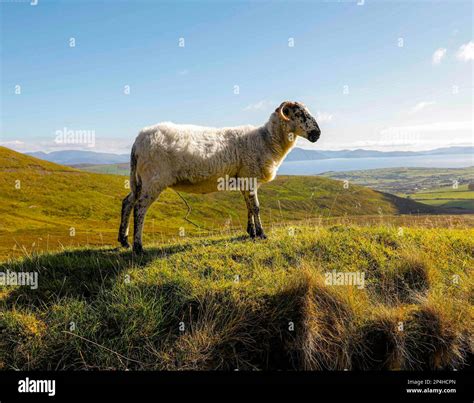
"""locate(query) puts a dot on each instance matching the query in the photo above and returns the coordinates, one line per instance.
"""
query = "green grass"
(58, 206)
(113, 169)
(225, 302)
(447, 197)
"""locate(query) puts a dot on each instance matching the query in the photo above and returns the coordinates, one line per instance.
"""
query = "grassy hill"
(225, 302)
(430, 186)
(45, 206)
(213, 299)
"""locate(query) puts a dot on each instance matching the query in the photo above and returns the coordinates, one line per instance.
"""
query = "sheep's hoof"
(261, 234)
(251, 231)
(125, 244)
(137, 249)
(123, 241)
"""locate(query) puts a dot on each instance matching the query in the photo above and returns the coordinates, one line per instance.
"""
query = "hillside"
(44, 206)
(114, 169)
(226, 303)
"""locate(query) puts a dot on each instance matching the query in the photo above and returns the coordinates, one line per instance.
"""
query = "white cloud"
(421, 105)
(258, 106)
(466, 52)
(404, 138)
(438, 55)
(107, 145)
(323, 117)
(12, 144)
(431, 127)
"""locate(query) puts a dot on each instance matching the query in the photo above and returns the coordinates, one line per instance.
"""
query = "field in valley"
(407, 180)
(448, 197)
(446, 188)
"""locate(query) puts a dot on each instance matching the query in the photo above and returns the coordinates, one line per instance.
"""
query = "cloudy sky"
(377, 74)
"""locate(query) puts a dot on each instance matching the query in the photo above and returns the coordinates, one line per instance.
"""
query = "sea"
(314, 167)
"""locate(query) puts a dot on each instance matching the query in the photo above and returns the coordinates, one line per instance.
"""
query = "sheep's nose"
(313, 135)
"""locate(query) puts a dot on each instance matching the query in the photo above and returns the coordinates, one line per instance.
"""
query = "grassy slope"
(115, 169)
(56, 201)
(249, 305)
(422, 184)
(447, 197)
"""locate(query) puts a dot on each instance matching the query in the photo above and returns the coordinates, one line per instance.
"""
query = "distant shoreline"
(317, 167)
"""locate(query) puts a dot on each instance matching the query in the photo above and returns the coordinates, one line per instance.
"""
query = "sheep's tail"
(135, 181)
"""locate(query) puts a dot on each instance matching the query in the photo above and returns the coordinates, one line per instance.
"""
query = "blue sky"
(382, 75)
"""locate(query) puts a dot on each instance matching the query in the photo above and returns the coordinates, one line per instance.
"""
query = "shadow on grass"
(81, 274)
(408, 206)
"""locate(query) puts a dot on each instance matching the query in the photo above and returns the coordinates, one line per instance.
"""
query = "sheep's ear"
(282, 105)
(281, 110)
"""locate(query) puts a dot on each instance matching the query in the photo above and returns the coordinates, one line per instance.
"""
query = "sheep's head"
(299, 120)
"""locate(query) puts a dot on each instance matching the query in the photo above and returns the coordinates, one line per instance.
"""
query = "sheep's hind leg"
(139, 212)
(256, 215)
(250, 220)
(127, 206)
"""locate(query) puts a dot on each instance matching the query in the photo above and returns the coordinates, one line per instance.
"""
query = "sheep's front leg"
(139, 212)
(250, 220)
(127, 206)
(256, 214)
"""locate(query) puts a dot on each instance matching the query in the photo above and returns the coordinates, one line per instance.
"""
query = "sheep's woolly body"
(196, 159)
(193, 158)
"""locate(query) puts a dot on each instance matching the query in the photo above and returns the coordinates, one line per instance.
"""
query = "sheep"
(195, 159)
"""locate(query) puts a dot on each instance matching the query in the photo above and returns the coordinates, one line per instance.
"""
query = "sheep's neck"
(281, 140)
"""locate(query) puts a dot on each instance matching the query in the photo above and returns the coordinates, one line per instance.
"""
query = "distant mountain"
(72, 157)
(300, 154)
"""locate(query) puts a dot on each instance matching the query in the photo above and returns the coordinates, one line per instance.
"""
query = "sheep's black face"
(300, 120)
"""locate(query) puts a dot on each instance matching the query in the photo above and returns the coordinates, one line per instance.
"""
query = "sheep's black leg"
(127, 205)
(250, 221)
(139, 212)
(256, 214)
